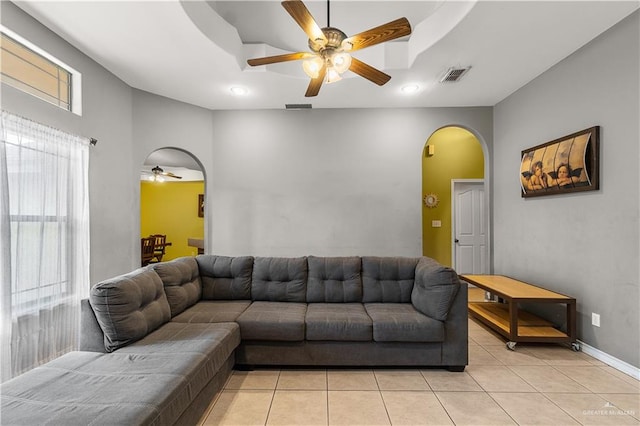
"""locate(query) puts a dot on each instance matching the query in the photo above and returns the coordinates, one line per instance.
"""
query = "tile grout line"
(489, 394)
(326, 384)
(273, 396)
(486, 392)
(384, 404)
(563, 410)
(213, 403)
(444, 408)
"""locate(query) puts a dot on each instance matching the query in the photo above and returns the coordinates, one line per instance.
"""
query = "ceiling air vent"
(454, 74)
(297, 106)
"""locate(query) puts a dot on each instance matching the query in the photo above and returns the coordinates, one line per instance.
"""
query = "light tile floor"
(533, 385)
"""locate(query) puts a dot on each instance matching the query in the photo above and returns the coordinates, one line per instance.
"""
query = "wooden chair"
(147, 246)
(160, 242)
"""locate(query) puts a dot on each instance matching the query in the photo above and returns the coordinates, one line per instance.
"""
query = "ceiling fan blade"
(370, 73)
(169, 174)
(302, 16)
(386, 32)
(280, 58)
(315, 84)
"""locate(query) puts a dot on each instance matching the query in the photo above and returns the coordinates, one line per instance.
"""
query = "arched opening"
(172, 194)
(453, 161)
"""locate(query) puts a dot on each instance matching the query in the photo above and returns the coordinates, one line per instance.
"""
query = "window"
(38, 218)
(30, 69)
(44, 241)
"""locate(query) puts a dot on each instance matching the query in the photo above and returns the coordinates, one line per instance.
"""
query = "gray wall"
(107, 116)
(324, 182)
(584, 244)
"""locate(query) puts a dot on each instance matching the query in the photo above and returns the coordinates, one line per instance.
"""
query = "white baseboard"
(609, 360)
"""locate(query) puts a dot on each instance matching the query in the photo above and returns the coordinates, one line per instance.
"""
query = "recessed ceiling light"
(239, 91)
(410, 88)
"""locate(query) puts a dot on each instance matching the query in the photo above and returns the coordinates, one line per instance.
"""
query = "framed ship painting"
(568, 164)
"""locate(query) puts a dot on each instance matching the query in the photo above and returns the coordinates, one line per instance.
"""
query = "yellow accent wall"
(171, 208)
(457, 155)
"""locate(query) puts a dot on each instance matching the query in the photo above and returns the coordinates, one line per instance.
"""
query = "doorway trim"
(455, 182)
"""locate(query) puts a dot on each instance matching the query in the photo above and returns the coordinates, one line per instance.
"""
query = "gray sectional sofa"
(158, 343)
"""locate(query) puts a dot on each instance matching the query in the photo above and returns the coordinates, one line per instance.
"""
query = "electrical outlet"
(595, 319)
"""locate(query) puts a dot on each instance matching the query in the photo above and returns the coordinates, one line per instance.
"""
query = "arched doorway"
(172, 193)
(453, 160)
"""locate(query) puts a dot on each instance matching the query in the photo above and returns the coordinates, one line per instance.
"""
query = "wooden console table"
(515, 324)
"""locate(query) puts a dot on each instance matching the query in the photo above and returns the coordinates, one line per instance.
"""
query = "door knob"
(456, 241)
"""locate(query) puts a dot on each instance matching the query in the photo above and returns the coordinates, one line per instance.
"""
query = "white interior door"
(470, 248)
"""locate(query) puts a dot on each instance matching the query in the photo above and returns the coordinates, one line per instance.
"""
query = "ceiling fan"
(330, 48)
(157, 174)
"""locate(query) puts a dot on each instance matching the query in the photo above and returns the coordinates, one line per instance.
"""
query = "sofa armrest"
(435, 288)
(91, 335)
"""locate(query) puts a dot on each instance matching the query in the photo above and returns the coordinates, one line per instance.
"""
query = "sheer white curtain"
(44, 242)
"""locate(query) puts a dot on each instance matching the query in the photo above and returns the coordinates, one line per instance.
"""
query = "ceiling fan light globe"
(341, 62)
(333, 75)
(312, 67)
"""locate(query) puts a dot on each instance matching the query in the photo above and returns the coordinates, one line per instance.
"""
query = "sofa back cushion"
(225, 278)
(181, 280)
(130, 306)
(279, 279)
(334, 280)
(388, 279)
(435, 288)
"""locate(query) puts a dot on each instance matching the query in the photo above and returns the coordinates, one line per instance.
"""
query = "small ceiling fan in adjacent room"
(331, 49)
(157, 174)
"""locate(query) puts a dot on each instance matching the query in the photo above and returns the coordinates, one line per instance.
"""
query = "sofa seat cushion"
(400, 322)
(152, 381)
(130, 306)
(209, 311)
(338, 321)
(214, 341)
(280, 321)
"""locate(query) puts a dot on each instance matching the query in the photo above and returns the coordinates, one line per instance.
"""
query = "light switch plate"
(436, 223)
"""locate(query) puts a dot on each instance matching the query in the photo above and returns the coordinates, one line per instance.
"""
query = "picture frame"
(561, 166)
(200, 205)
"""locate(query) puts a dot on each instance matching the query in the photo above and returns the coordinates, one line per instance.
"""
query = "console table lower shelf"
(519, 325)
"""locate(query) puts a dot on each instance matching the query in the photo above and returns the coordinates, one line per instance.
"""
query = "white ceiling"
(195, 51)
